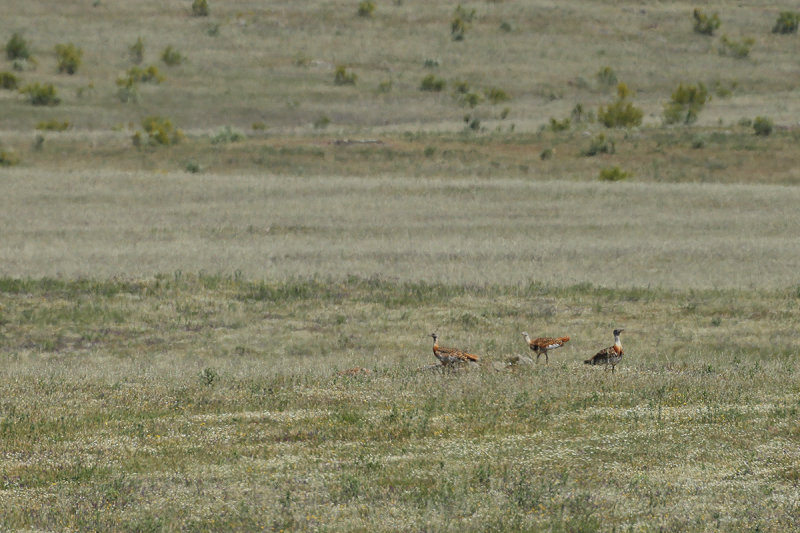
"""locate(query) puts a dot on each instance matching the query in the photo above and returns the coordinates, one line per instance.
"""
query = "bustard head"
(617, 332)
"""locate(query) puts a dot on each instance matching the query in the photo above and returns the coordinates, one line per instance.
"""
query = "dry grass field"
(177, 319)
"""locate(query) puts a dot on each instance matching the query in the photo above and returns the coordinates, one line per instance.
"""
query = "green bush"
(160, 131)
(171, 57)
(687, 102)
(460, 22)
(606, 77)
(600, 145)
(366, 8)
(342, 77)
(471, 99)
(136, 51)
(69, 57)
(432, 84)
(322, 122)
(227, 135)
(9, 81)
(135, 75)
(496, 95)
(613, 174)
(52, 125)
(17, 48)
(200, 8)
(8, 159)
(787, 23)
(762, 126)
(622, 113)
(560, 125)
(41, 94)
(704, 24)
(738, 49)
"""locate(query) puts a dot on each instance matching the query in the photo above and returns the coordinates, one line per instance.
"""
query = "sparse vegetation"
(432, 83)
(600, 144)
(227, 135)
(737, 49)
(341, 76)
(613, 174)
(8, 158)
(495, 95)
(136, 51)
(160, 131)
(53, 125)
(41, 94)
(200, 8)
(560, 125)
(686, 103)
(69, 57)
(606, 77)
(622, 113)
(704, 24)
(461, 22)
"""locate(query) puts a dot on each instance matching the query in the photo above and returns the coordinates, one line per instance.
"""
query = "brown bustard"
(451, 356)
(544, 344)
(609, 356)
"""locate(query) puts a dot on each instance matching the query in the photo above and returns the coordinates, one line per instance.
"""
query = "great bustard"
(451, 356)
(609, 356)
(544, 344)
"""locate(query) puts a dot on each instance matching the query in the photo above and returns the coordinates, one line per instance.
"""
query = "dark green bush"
(686, 104)
(432, 83)
(622, 113)
(762, 126)
(171, 57)
(52, 125)
(704, 24)
(200, 8)
(342, 77)
(9, 81)
(560, 125)
(44, 94)
(17, 48)
(787, 22)
(69, 57)
(160, 131)
(606, 77)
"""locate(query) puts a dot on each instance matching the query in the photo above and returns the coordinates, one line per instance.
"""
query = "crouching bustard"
(451, 356)
(543, 344)
(609, 356)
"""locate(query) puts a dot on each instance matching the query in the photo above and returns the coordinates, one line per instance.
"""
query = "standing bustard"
(609, 356)
(543, 344)
(450, 356)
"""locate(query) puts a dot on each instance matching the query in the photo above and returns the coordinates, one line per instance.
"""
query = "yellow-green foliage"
(8, 81)
(613, 174)
(8, 158)
(762, 126)
(69, 57)
(432, 83)
(135, 75)
(136, 51)
(606, 77)
(560, 125)
(622, 113)
(686, 104)
(704, 24)
(737, 49)
(41, 94)
(600, 145)
(53, 125)
(160, 131)
(366, 8)
(342, 77)
(460, 22)
(496, 95)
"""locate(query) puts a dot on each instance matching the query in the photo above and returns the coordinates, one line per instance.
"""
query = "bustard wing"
(459, 354)
(548, 343)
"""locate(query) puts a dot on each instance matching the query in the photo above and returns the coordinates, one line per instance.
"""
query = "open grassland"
(174, 317)
(212, 403)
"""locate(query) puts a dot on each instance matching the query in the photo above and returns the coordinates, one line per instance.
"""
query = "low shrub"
(322, 122)
(471, 99)
(200, 8)
(703, 24)
(606, 77)
(366, 8)
(787, 22)
(172, 57)
(622, 113)
(600, 145)
(69, 58)
(762, 126)
(136, 51)
(686, 103)
(342, 77)
(560, 125)
(227, 135)
(461, 22)
(53, 125)
(17, 48)
(41, 94)
(737, 49)
(496, 95)
(160, 131)
(432, 84)
(613, 174)
(8, 158)
(9, 81)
